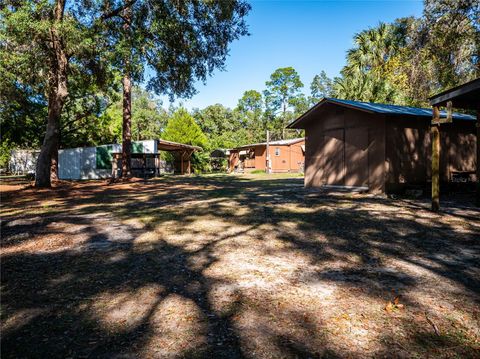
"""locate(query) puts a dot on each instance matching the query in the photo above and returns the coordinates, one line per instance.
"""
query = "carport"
(467, 97)
(149, 163)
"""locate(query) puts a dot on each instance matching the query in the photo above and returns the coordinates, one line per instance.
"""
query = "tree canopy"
(179, 42)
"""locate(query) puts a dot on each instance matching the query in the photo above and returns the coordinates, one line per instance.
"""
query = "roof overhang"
(298, 123)
(272, 143)
(466, 96)
(163, 145)
(372, 108)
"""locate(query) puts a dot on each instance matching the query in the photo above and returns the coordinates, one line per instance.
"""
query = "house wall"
(297, 157)
(345, 147)
(260, 157)
(291, 158)
(280, 163)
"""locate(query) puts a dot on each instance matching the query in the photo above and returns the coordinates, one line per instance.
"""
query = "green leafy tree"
(148, 116)
(320, 87)
(364, 77)
(222, 126)
(22, 114)
(453, 40)
(407, 61)
(85, 122)
(181, 127)
(300, 105)
(5, 148)
(58, 42)
(250, 110)
(282, 90)
(179, 41)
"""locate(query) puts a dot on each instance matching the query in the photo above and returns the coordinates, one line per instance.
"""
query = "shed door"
(356, 156)
(333, 155)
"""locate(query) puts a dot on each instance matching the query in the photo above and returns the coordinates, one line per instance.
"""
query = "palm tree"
(363, 78)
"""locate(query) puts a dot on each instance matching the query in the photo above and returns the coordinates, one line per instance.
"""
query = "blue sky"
(310, 36)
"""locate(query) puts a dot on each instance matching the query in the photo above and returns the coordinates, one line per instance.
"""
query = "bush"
(5, 148)
(201, 162)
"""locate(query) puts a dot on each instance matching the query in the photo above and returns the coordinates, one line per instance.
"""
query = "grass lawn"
(248, 266)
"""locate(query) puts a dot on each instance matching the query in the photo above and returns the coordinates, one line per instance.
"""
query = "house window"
(277, 151)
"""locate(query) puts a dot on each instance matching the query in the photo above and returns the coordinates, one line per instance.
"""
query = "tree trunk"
(127, 104)
(127, 122)
(58, 92)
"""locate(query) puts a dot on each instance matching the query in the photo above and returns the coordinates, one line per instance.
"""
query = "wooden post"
(114, 166)
(435, 132)
(188, 165)
(478, 157)
(181, 162)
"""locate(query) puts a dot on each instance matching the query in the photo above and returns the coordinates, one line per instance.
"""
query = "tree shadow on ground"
(114, 288)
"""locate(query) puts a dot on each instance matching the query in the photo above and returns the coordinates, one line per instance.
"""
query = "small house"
(381, 148)
(284, 156)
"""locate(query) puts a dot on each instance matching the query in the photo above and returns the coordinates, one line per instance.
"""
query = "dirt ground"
(234, 267)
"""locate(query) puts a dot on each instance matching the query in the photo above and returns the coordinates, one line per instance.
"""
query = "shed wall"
(23, 161)
(409, 150)
(348, 147)
(81, 162)
(345, 147)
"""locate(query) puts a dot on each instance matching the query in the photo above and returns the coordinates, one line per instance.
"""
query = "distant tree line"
(108, 44)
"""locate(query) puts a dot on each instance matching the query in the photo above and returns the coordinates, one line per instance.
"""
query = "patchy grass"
(234, 266)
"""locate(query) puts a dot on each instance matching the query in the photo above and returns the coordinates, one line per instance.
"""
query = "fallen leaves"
(394, 305)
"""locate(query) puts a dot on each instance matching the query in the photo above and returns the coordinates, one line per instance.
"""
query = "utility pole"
(267, 169)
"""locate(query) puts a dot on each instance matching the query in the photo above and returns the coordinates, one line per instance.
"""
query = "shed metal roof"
(398, 110)
(372, 107)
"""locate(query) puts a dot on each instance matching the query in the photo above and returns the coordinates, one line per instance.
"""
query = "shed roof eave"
(373, 108)
(303, 118)
(466, 95)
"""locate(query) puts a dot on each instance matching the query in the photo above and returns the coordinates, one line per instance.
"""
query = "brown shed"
(285, 156)
(380, 147)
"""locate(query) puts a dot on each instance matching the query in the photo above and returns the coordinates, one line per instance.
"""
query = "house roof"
(463, 96)
(377, 108)
(273, 143)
